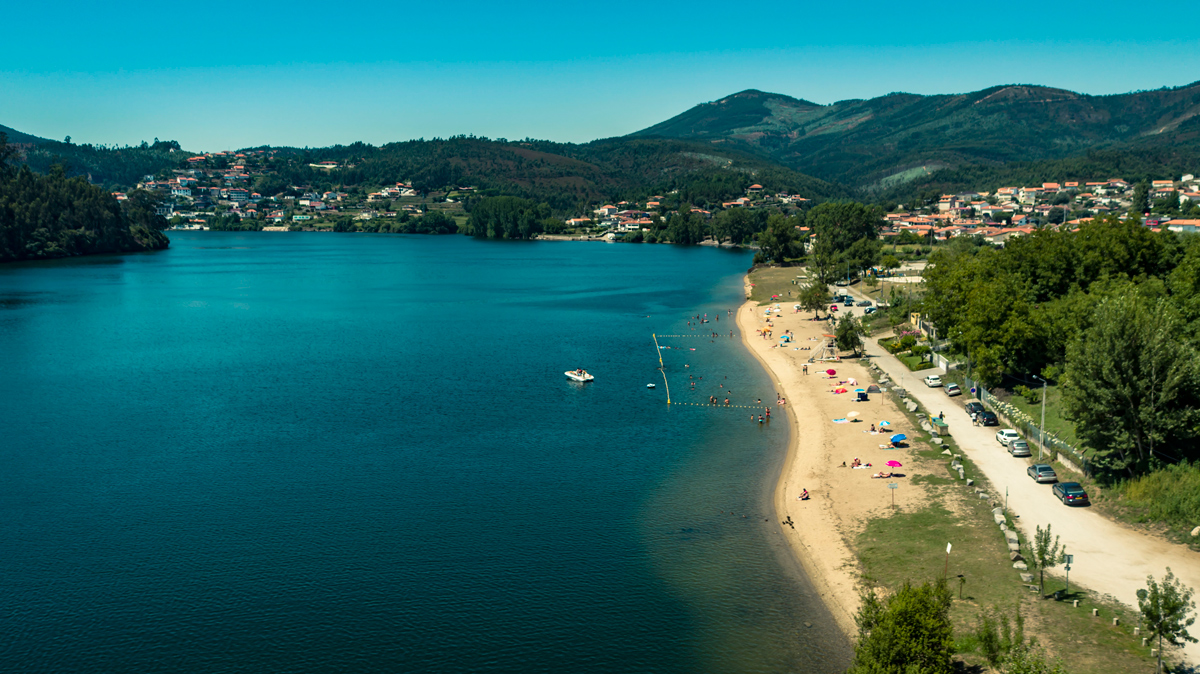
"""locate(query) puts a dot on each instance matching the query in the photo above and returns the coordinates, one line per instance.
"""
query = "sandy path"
(1109, 557)
(841, 499)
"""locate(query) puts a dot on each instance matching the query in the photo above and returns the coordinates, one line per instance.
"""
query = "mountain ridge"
(863, 142)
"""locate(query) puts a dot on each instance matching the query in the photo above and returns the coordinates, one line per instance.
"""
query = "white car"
(1006, 436)
(933, 381)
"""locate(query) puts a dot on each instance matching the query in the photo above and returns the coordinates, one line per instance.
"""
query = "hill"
(563, 175)
(880, 143)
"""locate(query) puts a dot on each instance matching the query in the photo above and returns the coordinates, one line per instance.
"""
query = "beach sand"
(842, 500)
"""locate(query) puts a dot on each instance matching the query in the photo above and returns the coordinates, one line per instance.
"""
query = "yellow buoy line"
(661, 367)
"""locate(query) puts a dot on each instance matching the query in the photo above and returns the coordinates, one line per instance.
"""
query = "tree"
(1132, 383)
(781, 239)
(849, 334)
(910, 631)
(8, 157)
(823, 261)
(890, 262)
(843, 223)
(1140, 202)
(1167, 608)
(1046, 554)
(814, 296)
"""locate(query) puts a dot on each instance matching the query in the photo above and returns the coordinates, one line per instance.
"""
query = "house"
(238, 194)
(754, 189)
(1186, 226)
(606, 211)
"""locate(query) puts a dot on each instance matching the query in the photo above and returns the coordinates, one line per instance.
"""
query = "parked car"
(975, 407)
(868, 311)
(933, 381)
(833, 307)
(1019, 448)
(952, 389)
(864, 303)
(1042, 472)
(1006, 436)
(848, 302)
(989, 418)
(1071, 493)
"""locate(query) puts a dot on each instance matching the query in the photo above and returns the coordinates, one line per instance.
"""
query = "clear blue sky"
(301, 73)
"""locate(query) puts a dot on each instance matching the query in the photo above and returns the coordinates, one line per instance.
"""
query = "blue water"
(269, 452)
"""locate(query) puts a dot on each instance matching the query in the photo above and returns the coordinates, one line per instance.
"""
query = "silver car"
(1042, 472)
(1018, 448)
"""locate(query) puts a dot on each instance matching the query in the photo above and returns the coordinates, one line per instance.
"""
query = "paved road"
(1109, 558)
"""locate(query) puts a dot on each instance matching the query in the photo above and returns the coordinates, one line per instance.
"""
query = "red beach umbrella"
(895, 464)
(830, 371)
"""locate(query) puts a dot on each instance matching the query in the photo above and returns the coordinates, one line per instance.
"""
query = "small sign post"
(893, 486)
(1069, 559)
(946, 572)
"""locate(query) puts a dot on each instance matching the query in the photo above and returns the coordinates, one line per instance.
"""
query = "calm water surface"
(271, 452)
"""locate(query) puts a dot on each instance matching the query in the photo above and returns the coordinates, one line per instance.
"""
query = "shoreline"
(819, 555)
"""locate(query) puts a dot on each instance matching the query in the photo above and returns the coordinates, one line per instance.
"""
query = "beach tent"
(873, 388)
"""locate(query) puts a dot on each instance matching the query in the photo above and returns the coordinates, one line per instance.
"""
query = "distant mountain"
(880, 143)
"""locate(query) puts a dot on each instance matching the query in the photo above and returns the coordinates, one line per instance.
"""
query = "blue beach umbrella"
(899, 437)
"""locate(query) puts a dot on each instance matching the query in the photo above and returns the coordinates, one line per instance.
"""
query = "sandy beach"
(841, 499)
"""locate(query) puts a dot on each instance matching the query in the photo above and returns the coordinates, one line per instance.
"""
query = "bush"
(1170, 494)
(907, 342)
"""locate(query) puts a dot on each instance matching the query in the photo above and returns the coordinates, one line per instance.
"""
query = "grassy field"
(911, 545)
(770, 281)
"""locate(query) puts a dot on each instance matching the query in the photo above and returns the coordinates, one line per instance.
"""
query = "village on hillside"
(220, 187)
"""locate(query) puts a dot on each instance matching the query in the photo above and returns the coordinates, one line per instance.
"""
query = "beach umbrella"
(840, 390)
(899, 437)
(860, 390)
(796, 306)
(851, 415)
(885, 423)
(852, 381)
(895, 464)
(830, 371)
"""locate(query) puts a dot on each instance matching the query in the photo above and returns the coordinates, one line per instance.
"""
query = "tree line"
(1112, 312)
(52, 215)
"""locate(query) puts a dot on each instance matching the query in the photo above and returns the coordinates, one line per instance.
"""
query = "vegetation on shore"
(49, 216)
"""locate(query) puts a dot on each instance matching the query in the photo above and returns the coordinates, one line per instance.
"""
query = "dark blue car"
(1071, 493)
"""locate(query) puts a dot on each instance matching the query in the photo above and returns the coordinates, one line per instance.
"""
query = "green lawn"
(776, 281)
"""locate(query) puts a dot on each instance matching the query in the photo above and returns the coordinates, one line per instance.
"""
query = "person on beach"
(872, 428)
(804, 495)
(727, 401)
(760, 418)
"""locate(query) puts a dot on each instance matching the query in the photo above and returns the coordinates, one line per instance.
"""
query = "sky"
(307, 74)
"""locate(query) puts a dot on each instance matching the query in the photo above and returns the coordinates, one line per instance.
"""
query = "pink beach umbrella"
(895, 464)
(830, 371)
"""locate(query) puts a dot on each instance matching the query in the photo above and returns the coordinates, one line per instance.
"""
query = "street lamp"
(1042, 430)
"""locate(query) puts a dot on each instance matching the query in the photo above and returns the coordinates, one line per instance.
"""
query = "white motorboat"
(579, 375)
(649, 385)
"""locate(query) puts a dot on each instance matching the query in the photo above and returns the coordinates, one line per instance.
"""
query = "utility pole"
(1042, 429)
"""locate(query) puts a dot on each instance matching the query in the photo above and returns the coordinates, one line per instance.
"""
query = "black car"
(1071, 493)
(989, 418)
(975, 407)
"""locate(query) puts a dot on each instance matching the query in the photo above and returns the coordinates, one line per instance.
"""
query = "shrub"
(1170, 494)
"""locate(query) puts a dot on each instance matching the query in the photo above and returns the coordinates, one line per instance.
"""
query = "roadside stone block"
(1027, 578)
(1014, 547)
(1020, 566)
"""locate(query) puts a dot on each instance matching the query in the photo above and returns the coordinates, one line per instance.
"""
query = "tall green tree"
(909, 632)
(1133, 385)
(844, 223)
(1167, 608)
(814, 296)
(1140, 202)
(781, 240)
(849, 334)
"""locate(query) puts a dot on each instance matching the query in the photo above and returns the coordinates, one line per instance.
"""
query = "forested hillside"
(52, 215)
(561, 174)
(878, 143)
